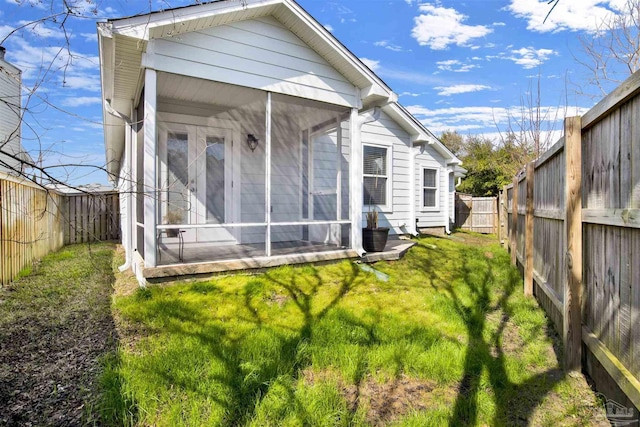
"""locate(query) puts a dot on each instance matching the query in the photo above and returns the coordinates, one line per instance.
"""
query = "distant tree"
(453, 141)
(491, 166)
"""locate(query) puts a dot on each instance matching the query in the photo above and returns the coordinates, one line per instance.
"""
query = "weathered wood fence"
(34, 222)
(479, 214)
(571, 220)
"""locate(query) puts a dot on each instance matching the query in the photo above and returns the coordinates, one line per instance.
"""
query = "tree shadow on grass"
(470, 283)
(252, 361)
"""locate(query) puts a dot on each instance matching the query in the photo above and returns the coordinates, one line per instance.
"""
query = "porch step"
(392, 252)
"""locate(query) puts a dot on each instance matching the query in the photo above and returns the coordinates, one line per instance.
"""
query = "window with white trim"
(376, 170)
(429, 188)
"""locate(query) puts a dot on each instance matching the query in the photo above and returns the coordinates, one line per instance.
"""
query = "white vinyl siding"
(9, 115)
(385, 132)
(430, 188)
(429, 158)
(258, 53)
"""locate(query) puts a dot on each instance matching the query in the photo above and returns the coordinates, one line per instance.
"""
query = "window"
(375, 171)
(429, 188)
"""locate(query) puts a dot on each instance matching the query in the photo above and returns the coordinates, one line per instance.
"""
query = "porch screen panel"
(177, 180)
(308, 172)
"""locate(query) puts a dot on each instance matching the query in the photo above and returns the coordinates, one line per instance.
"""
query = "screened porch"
(248, 174)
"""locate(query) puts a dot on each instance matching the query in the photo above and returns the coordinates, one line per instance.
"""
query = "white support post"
(355, 195)
(150, 165)
(338, 170)
(134, 178)
(267, 190)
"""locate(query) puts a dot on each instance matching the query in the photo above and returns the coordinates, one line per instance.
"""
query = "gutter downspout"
(413, 221)
(364, 118)
(129, 185)
(447, 204)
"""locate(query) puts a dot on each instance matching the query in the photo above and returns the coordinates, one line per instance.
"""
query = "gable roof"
(419, 133)
(123, 41)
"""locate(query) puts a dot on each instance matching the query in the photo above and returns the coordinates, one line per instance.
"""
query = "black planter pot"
(374, 240)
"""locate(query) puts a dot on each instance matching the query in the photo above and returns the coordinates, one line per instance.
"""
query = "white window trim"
(388, 207)
(424, 208)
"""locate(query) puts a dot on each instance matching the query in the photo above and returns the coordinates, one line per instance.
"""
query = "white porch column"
(355, 183)
(150, 165)
(267, 188)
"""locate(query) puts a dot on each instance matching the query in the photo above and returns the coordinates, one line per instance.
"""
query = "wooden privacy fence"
(90, 217)
(479, 214)
(29, 225)
(572, 222)
(34, 222)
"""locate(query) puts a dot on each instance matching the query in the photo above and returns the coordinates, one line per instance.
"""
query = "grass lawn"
(448, 340)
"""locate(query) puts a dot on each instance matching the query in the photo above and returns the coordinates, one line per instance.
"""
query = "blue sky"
(468, 65)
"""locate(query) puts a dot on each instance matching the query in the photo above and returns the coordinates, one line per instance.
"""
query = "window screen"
(375, 171)
(429, 188)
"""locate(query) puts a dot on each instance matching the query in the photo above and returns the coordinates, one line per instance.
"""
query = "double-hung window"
(429, 188)
(376, 176)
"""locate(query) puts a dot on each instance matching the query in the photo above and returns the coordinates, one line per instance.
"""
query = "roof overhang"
(123, 42)
(420, 135)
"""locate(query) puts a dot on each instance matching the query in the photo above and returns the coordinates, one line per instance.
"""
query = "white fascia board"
(417, 132)
(106, 57)
(141, 26)
(420, 135)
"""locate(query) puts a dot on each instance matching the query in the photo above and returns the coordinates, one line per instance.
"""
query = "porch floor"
(214, 259)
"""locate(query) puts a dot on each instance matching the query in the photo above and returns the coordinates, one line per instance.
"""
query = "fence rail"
(34, 222)
(571, 220)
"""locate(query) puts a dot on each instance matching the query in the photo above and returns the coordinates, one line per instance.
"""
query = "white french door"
(197, 180)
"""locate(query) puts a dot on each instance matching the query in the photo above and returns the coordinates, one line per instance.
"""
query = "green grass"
(450, 337)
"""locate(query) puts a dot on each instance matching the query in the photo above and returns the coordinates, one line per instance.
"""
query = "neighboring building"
(11, 118)
(250, 129)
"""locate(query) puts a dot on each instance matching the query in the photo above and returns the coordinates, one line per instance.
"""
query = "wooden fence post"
(572, 329)
(528, 261)
(499, 217)
(514, 222)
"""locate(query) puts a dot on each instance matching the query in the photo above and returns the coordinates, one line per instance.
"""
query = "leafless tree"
(612, 52)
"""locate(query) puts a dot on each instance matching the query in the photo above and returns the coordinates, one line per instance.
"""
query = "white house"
(13, 154)
(243, 135)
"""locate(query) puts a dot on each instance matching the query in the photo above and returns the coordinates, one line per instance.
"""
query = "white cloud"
(89, 37)
(485, 120)
(455, 65)
(372, 64)
(529, 57)
(388, 45)
(41, 29)
(69, 69)
(458, 89)
(438, 27)
(410, 94)
(567, 15)
(80, 101)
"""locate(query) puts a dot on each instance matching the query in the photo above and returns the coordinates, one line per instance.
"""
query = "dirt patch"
(387, 401)
(52, 343)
